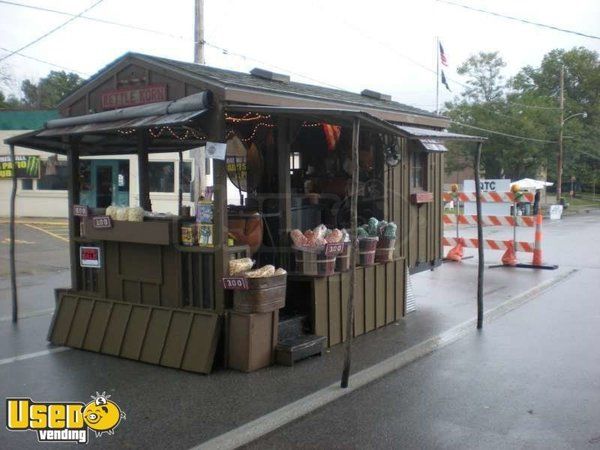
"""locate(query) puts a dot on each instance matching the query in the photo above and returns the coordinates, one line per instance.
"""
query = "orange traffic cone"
(537, 246)
(509, 258)
(456, 253)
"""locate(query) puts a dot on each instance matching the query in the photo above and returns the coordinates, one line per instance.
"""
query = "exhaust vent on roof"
(268, 75)
(376, 95)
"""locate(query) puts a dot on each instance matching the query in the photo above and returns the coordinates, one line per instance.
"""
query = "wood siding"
(378, 300)
(177, 338)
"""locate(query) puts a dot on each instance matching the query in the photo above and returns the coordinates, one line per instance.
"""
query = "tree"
(485, 82)
(50, 90)
(582, 94)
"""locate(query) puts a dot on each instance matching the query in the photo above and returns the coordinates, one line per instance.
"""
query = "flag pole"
(437, 72)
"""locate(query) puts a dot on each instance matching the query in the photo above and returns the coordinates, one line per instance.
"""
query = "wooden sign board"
(80, 210)
(421, 197)
(235, 283)
(100, 222)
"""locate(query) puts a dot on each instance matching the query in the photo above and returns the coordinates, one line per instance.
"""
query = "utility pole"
(199, 32)
(437, 75)
(559, 162)
(200, 159)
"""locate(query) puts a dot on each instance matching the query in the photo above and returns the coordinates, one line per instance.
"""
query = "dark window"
(161, 176)
(123, 176)
(54, 175)
(418, 165)
(186, 176)
(85, 175)
(27, 184)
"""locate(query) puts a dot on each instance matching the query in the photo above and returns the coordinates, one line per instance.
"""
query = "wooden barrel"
(313, 261)
(385, 250)
(366, 250)
(263, 295)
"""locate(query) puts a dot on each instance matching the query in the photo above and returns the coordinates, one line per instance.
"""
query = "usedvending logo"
(64, 421)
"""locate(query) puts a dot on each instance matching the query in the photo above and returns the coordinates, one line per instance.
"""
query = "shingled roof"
(240, 79)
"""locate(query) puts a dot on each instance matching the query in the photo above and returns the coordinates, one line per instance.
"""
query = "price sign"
(334, 249)
(235, 283)
(90, 257)
(80, 210)
(101, 222)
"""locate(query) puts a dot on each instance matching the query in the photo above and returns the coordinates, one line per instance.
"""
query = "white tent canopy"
(531, 184)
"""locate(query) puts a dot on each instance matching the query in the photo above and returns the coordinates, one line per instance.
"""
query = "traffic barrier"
(471, 219)
(489, 197)
(509, 257)
(490, 244)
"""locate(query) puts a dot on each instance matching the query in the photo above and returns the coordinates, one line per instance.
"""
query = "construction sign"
(26, 166)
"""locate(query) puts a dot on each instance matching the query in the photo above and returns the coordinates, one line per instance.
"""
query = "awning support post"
(73, 198)
(180, 193)
(13, 269)
(220, 219)
(143, 181)
(353, 253)
(481, 262)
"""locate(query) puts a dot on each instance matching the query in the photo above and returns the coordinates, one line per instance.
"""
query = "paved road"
(530, 380)
(173, 409)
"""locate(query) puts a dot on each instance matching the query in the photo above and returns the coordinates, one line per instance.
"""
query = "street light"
(559, 168)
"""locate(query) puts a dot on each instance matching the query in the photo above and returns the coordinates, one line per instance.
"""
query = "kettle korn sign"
(26, 166)
(121, 98)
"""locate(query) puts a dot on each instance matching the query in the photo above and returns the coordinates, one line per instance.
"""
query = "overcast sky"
(381, 45)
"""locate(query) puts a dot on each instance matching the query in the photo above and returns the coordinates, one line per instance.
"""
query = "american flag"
(443, 55)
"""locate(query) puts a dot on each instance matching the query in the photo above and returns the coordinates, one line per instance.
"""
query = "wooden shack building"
(155, 300)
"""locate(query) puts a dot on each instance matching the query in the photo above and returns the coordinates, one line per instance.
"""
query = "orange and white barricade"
(508, 246)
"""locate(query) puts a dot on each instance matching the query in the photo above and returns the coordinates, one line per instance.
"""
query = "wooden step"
(294, 349)
(291, 326)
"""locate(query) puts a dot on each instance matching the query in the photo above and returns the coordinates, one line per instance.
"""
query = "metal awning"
(110, 132)
(438, 135)
(335, 116)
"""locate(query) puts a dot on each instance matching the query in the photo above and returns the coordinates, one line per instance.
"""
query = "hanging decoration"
(332, 135)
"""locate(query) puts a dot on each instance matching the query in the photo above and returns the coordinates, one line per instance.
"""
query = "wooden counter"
(379, 299)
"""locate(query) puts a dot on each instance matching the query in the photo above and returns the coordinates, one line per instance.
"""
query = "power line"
(44, 62)
(504, 134)
(518, 19)
(51, 31)
(162, 33)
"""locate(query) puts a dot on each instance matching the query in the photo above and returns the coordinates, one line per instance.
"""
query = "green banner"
(27, 166)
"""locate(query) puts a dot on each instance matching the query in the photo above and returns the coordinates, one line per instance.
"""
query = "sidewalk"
(227, 399)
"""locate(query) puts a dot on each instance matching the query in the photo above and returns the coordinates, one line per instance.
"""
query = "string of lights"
(157, 132)
(248, 117)
(53, 30)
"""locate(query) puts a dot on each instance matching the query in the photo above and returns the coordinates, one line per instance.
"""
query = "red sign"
(122, 98)
(101, 222)
(421, 197)
(80, 210)
(334, 249)
(90, 257)
(235, 283)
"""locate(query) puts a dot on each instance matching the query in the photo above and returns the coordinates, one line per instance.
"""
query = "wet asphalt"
(476, 393)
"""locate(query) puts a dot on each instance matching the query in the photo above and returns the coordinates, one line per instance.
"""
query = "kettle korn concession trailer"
(258, 272)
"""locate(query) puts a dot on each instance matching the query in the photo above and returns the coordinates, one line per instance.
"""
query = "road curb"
(293, 411)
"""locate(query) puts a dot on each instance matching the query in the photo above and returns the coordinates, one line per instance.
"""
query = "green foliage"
(50, 90)
(491, 103)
